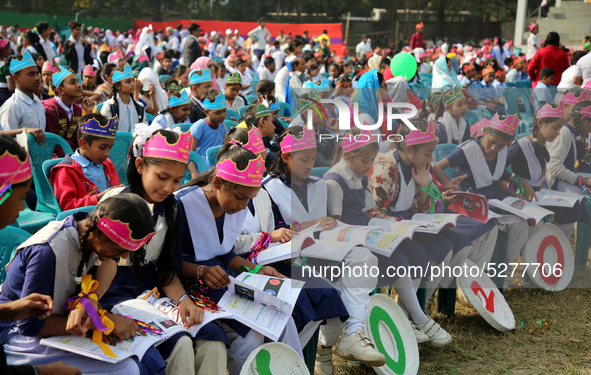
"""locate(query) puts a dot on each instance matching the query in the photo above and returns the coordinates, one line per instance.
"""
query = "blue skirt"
(473, 228)
(567, 215)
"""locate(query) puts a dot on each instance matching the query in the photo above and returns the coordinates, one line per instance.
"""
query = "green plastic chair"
(254, 82)
(285, 110)
(47, 165)
(471, 117)
(46, 201)
(241, 110)
(184, 127)
(10, 239)
(319, 171)
(512, 104)
(212, 155)
(442, 151)
(199, 164)
(32, 221)
(250, 98)
(163, 77)
(149, 117)
(67, 213)
(99, 106)
(230, 124)
(233, 115)
(119, 153)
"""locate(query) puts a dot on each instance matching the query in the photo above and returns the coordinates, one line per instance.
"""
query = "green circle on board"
(376, 316)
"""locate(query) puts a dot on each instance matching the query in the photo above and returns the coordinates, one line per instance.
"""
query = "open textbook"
(372, 237)
(525, 210)
(471, 205)
(263, 303)
(552, 198)
(434, 223)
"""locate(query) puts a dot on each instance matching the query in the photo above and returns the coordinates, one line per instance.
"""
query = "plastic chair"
(10, 239)
(212, 155)
(149, 117)
(511, 85)
(523, 84)
(426, 76)
(230, 124)
(319, 171)
(241, 110)
(284, 123)
(442, 151)
(32, 221)
(119, 153)
(199, 164)
(255, 81)
(47, 166)
(250, 99)
(471, 117)
(512, 104)
(99, 106)
(218, 59)
(46, 201)
(184, 127)
(233, 115)
(163, 77)
(67, 213)
(416, 89)
(285, 110)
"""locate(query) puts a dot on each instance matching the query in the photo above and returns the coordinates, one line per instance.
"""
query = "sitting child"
(211, 130)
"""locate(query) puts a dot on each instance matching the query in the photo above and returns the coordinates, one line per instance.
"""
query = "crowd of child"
(260, 189)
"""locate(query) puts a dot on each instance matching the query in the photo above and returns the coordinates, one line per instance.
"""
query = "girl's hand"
(519, 196)
(88, 105)
(215, 277)
(530, 194)
(282, 235)
(327, 223)
(79, 323)
(285, 118)
(125, 328)
(474, 135)
(454, 183)
(421, 175)
(152, 88)
(189, 313)
(270, 271)
(333, 124)
(37, 133)
(34, 304)
(449, 198)
(587, 181)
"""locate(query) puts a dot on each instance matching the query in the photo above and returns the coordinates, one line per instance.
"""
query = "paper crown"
(274, 106)
(263, 109)
(353, 142)
(25, 62)
(3, 42)
(93, 127)
(199, 76)
(532, 26)
(586, 111)
(59, 77)
(453, 95)
(175, 102)
(12, 170)
(507, 125)
(467, 67)
(89, 71)
(115, 56)
(47, 66)
(436, 98)
(306, 103)
(142, 58)
(417, 137)
(255, 141)
(489, 69)
(234, 79)
(323, 86)
(550, 110)
(500, 72)
(251, 176)
(576, 97)
(219, 103)
(158, 147)
(121, 75)
(120, 233)
(173, 87)
(292, 144)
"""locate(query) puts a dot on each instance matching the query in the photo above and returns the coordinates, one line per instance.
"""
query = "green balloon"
(404, 64)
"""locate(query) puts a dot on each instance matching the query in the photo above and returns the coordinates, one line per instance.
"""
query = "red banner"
(333, 30)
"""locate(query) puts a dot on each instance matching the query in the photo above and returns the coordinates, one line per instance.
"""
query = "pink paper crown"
(115, 56)
(251, 176)
(14, 171)
(417, 137)
(353, 142)
(255, 141)
(586, 111)
(550, 110)
(575, 98)
(120, 233)
(507, 125)
(292, 144)
(89, 71)
(158, 147)
(47, 66)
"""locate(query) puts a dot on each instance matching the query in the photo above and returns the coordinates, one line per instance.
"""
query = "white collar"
(69, 111)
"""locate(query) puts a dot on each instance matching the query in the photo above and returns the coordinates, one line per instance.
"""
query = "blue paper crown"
(59, 77)
(199, 76)
(121, 75)
(27, 61)
(324, 86)
(220, 102)
(175, 102)
(274, 107)
(93, 127)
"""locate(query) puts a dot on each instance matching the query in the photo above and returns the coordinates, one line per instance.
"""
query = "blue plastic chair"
(471, 117)
(512, 104)
(47, 165)
(511, 85)
(46, 201)
(199, 164)
(255, 82)
(241, 110)
(32, 221)
(99, 106)
(10, 239)
(184, 127)
(67, 213)
(212, 155)
(233, 115)
(523, 84)
(218, 59)
(229, 124)
(284, 123)
(119, 153)
(285, 110)
(250, 98)
(149, 117)
(442, 151)
(416, 89)
(319, 171)
(163, 77)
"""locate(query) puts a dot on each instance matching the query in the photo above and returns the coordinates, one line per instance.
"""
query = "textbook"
(261, 302)
(471, 205)
(525, 210)
(552, 198)
(372, 237)
(434, 223)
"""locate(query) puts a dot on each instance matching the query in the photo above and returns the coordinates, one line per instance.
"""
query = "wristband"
(244, 268)
(181, 299)
(423, 188)
(296, 223)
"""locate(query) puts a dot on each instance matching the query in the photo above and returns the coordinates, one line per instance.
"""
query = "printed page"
(347, 233)
(384, 243)
(552, 198)
(471, 205)
(168, 307)
(398, 227)
(525, 210)
(328, 250)
(434, 223)
(270, 289)
(142, 310)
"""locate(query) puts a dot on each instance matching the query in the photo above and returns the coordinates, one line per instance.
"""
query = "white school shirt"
(261, 34)
(584, 68)
(266, 74)
(128, 116)
(20, 111)
(566, 82)
(281, 79)
(46, 44)
(532, 42)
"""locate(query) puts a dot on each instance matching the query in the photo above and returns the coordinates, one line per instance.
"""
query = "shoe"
(437, 335)
(323, 364)
(357, 347)
(429, 305)
(420, 336)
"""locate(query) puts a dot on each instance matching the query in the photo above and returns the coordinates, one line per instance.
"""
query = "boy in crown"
(200, 81)
(210, 131)
(233, 87)
(61, 112)
(83, 177)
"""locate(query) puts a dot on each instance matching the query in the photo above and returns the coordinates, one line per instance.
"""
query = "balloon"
(404, 64)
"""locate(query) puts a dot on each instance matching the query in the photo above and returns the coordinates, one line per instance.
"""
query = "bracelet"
(200, 271)
(181, 299)
(296, 223)
(423, 188)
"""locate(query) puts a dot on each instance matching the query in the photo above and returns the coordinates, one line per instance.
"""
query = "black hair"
(268, 61)
(127, 208)
(238, 134)
(380, 78)
(553, 39)
(32, 37)
(343, 78)
(166, 55)
(8, 143)
(167, 109)
(294, 44)
(74, 24)
(87, 137)
(508, 61)
(576, 120)
(211, 94)
(278, 167)
(114, 93)
(541, 151)
(547, 72)
(169, 81)
(337, 67)
(577, 55)
(41, 26)
(496, 132)
(107, 69)
(165, 264)
(193, 27)
(262, 20)
(265, 87)
(180, 70)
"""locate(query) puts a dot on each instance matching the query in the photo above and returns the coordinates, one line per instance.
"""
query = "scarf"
(455, 131)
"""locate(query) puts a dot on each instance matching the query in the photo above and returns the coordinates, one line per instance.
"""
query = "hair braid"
(576, 117)
(85, 248)
(116, 102)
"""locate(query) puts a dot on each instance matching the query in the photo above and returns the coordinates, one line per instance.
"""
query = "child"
(166, 62)
(528, 158)
(211, 210)
(105, 90)
(482, 160)
(61, 113)
(435, 108)
(488, 94)
(181, 74)
(221, 74)
(348, 69)
(265, 87)
(211, 130)
(245, 77)
(122, 104)
(541, 91)
(451, 126)
(268, 72)
(47, 73)
(88, 80)
(179, 108)
(6, 83)
(83, 177)
(171, 86)
(200, 84)
(233, 87)
(335, 71)
(53, 261)
(499, 82)
(23, 109)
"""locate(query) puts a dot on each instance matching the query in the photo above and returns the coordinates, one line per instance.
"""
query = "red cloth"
(417, 40)
(73, 189)
(343, 51)
(548, 57)
(57, 122)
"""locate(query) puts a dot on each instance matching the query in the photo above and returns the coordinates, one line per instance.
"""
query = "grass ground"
(561, 346)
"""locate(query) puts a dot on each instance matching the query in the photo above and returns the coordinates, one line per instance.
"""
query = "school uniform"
(207, 136)
(165, 120)
(63, 121)
(197, 110)
(47, 263)
(130, 114)
(20, 111)
(450, 131)
(237, 103)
